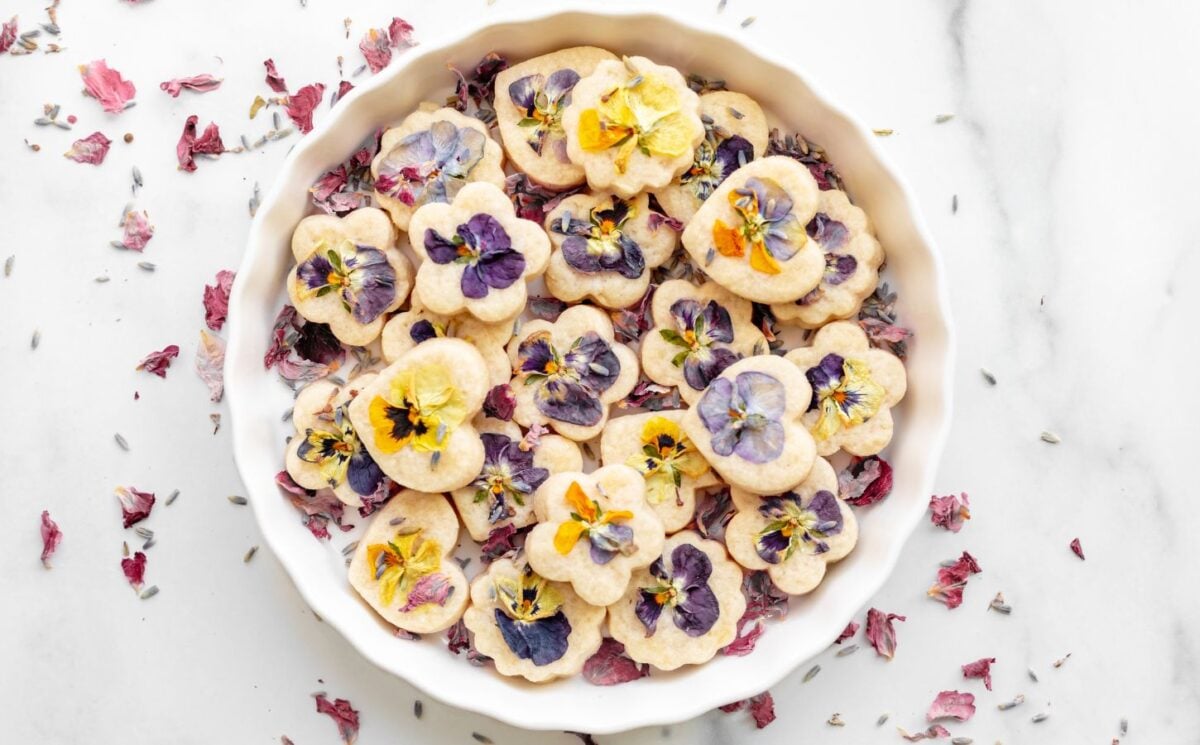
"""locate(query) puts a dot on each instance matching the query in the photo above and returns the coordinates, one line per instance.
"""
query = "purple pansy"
(484, 249)
(698, 330)
(430, 165)
(530, 618)
(795, 525)
(341, 456)
(424, 330)
(542, 100)
(607, 540)
(362, 274)
(830, 235)
(508, 475)
(569, 385)
(684, 589)
(719, 155)
(600, 244)
(743, 416)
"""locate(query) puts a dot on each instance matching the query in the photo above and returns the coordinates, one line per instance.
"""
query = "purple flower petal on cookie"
(560, 84)
(826, 375)
(648, 609)
(743, 416)
(542, 641)
(703, 366)
(440, 249)
(594, 362)
(839, 268)
(829, 233)
(372, 286)
(423, 330)
(523, 91)
(568, 402)
(608, 540)
(363, 473)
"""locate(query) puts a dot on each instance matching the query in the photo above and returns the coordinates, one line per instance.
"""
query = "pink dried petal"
(137, 231)
(202, 83)
(135, 569)
(763, 598)
(500, 403)
(881, 633)
(107, 86)
(91, 149)
(762, 708)
(400, 32)
(8, 34)
(848, 632)
(300, 105)
(1077, 548)
(429, 589)
(274, 79)
(501, 541)
(135, 505)
(458, 638)
(952, 705)
(533, 437)
(865, 481)
(743, 644)
(216, 300)
(189, 144)
(935, 731)
(318, 507)
(343, 88)
(950, 512)
(880, 331)
(952, 580)
(51, 536)
(981, 668)
(611, 666)
(343, 715)
(157, 363)
(210, 364)
(376, 48)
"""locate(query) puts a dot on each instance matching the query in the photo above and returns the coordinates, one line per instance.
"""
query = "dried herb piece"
(812, 156)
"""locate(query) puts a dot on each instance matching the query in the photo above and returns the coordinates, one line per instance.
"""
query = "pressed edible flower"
(604, 531)
(51, 537)
(484, 249)
(361, 275)
(343, 715)
(216, 300)
(769, 232)
(341, 456)
(421, 408)
(501, 541)
(714, 510)
(568, 385)
(508, 476)
(399, 563)
(500, 402)
(301, 350)
(611, 666)
(642, 114)
(107, 86)
(950, 512)
(531, 200)
(431, 589)
(720, 154)
(797, 526)
(377, 44)
(881, 633)
(843, 393)
(952, 705)
(699, 331)
(981, 668)
(91, 149)
(542, 100)
(667, 457)
(530, 618)
(682, 589)
(600, 243)
(135, 505)
(743, 416)
(199, 83)
(157, 363)
(430, 165)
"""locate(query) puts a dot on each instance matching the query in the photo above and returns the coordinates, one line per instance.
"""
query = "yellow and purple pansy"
(642, 114)
(402, 563)
(769, 232)
(603, 530)
(420, 408)
(844, 393)
(362, 276)
(831, 235)
(684, 590)
(430, 165)
(667, 456)
(720, 154)
(599, 244)
(484, 249)
(530, 617)
(796, 526)
(743, 416)
(698, 331)
(341, 455)
(542, 100)
(425, 329)
(508, 475)
(570, 384)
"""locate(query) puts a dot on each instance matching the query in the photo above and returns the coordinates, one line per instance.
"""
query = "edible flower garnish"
(401, 562)
(720, 154)
(743, 416)
(844, 393)
(642, 114)
(421, 408)
(769, 230)
(684, 590)
(667, 456)
(361, 274)
(340, 455)
(529, 615)
(430, 165)
(600, 244)
(796, 526)
(569, 385)
(606, 536)
(508, 476)
(484, 249)
(698, 331)
(543, 99)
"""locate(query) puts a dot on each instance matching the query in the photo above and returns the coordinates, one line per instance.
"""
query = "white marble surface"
(1071, 259)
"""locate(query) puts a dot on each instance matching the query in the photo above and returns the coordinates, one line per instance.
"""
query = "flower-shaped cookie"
(403, 568)
(854, 387)
(655, 446)
(683, 608)
(415, 417)
(852, 260)
(632, 125)
(697, 333)
(605, 247)
(530, 100)
(429, 158)
(502, 493)
(348, 273)
(735, 133)
(476, 254)
(568, 372)
(749, 235)
(793, 535)
(748, 425)
(326, 451)
(416, 325)
(529, 626)
(593, 530)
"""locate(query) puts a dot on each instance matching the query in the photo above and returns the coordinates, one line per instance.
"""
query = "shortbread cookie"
(403, 568)
(476, 254)
(793, 535)
(415, 417)
(633, 125)
(697, 333)
(604, 248)
(502, 493)
(417, 325)
(854, 387)
(429, 157)
(529, 626)
(735, 133)
(683, 608)
(593, 530)
(655, 446)
(567, 373)
(748, 425)
(852, 261)
(749, 236)
(348, 273)
(530, 99)
(327, 451)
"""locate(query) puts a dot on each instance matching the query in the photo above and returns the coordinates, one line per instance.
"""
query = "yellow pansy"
(400, 562)
(847, 400)
(667, 456)
(644, 114)
(421, 408)
(586, 518)
(528, 597)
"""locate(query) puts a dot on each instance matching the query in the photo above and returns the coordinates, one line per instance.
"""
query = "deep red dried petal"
(949, 512)
(301, 104)
(8, 34)
(1077, 548)
(135, 505)
(135, 569)
(611, 666)
(744, 643)
(157, 363)
(274, 79)
(881, 633)
(850, 630)
(343, 715)
(981, 668)
(216, 300)
(51, 537)
(500, 403)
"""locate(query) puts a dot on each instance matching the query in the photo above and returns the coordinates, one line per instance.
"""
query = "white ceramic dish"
(256, 397)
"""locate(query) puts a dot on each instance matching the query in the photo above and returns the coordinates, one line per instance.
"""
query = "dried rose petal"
(209, 143)
(533, 437)
(934, 732)
(8, 34)
(202, 83)
(744, 643)
(952, 705)
(377, 499)
(343, 88)
(952, 580)
(378, 43)
(300, 105)
(51, 537)
(107, 86)
(343, 715)
(400, 32)
(950, 512)
(763, 598)
(274, 79)
(216, 300)
(91, 149)
(137, 231)
(135, 569)
(458, 638)
(500, 402)
(714, 510)
(501, 541)
(865, 481)
(210, 364)
(881, 633)
(611, 666)
(431, 588)
(630, 323)
(157, 363)
(981, 668)
(1077, 548)
(762, 708)
(848, 632)
(546, 308)
(318, 507)
(651, 396)
(135, 505)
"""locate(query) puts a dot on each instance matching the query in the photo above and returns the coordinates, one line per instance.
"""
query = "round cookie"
(417, 325)
(748, 425)
(529, 626)
(854, 387)
(502, 493)
(604, 249)
(403, 568)
(530, 99)
(476, 254)
(683, 608)
(429, 157)
(632, 125)
(593, 530)
(348, 273)
(415, 417)
(749, 236)
(852, 260)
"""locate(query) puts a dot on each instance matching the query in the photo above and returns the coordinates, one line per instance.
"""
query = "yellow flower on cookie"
(608, 537)
(643, 113)
(421, 408)
(667, 456)
(400, 562)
